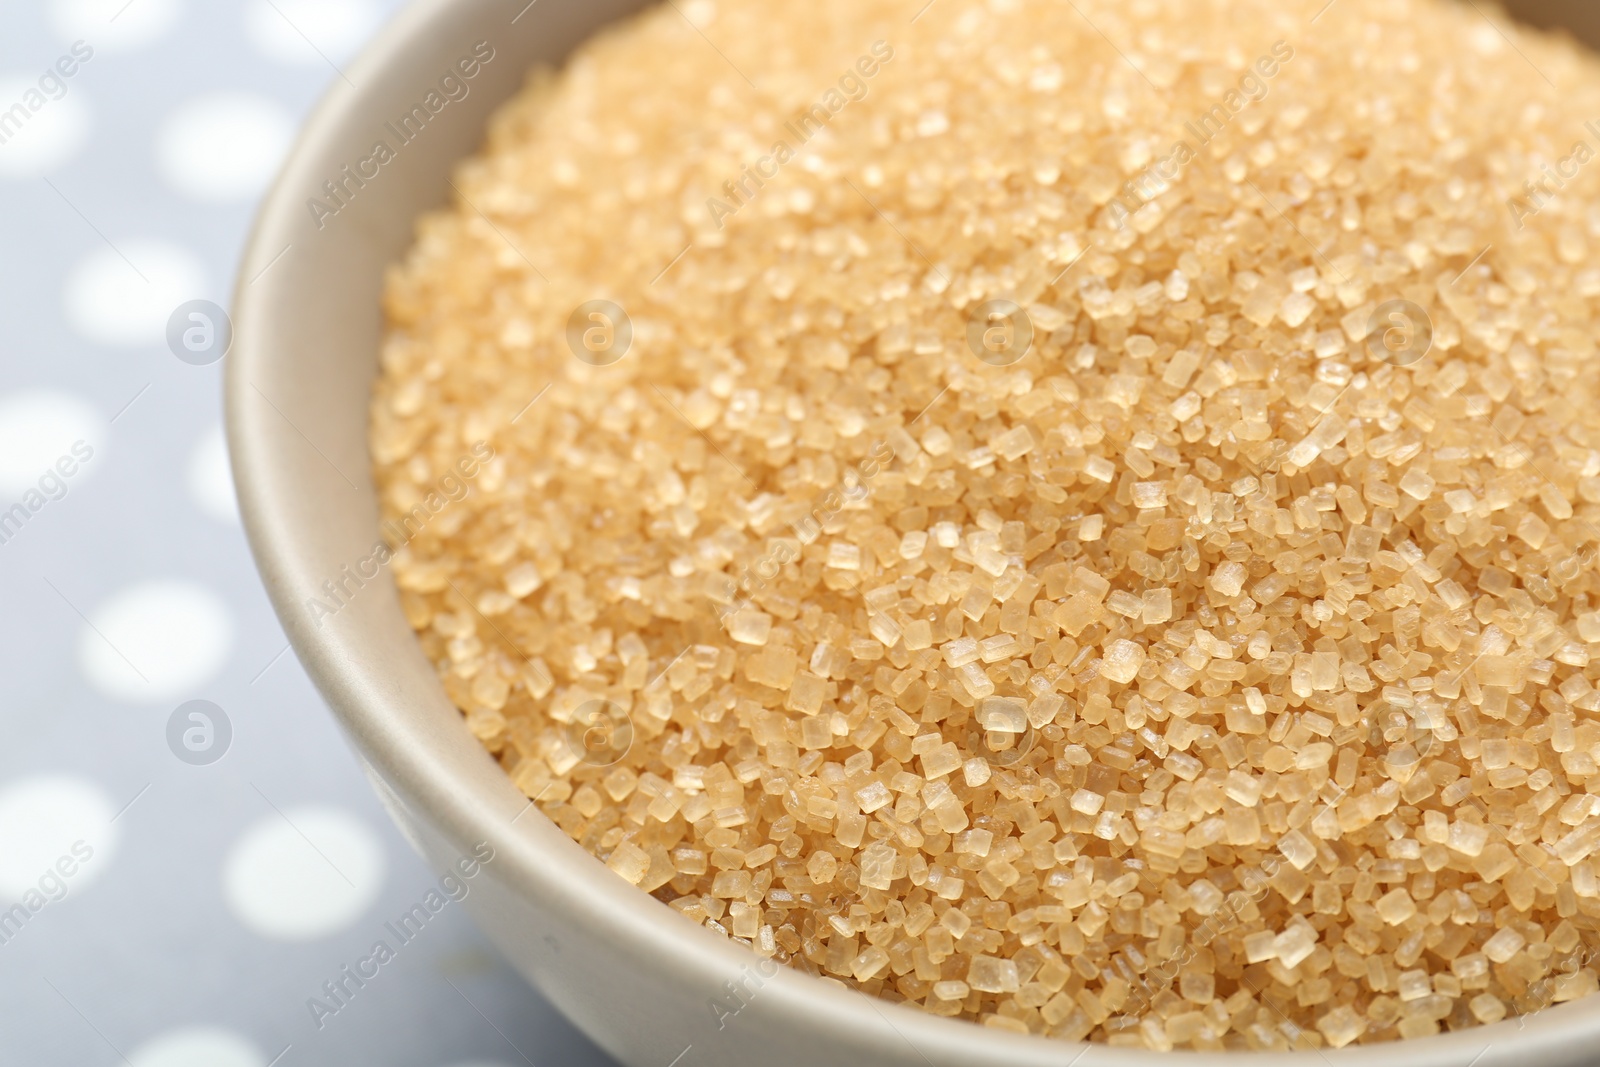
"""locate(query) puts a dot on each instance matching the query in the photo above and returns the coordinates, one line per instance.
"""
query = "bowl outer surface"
(646, 984)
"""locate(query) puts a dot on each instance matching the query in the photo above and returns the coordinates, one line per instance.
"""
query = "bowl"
(647, 985)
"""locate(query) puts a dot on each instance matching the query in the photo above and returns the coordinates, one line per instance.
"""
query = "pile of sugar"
(1219, 674)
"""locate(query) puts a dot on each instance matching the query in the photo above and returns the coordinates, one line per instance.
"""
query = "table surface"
(175, 909)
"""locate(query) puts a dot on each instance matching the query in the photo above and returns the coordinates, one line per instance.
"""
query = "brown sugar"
(1080, 517)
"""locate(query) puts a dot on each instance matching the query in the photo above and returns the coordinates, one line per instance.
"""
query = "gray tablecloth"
(181, 879)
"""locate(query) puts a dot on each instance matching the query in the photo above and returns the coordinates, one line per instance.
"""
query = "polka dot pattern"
(38, 429)
(296, 31)
(225, 911)
(223, 146)
(156, 641)
(124, 295)
(49, 825)
(114, 25)
(53, 129)
(210, 479)
(197, 1046)
(303, 874)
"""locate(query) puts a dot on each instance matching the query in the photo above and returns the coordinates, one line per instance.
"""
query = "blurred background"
(1579, 17)
(188, 852)
(181, 879)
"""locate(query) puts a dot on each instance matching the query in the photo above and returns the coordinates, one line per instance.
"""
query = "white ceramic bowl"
(634, 975)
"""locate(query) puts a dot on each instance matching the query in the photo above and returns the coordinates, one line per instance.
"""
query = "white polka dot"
(337, 28)
(45, 818)
(118, 301)
(113, 25)
(223, 146)
(37, 428)
(156, 641)
(197, 1046)
(52, 129)
(211, 479)
(304, 874)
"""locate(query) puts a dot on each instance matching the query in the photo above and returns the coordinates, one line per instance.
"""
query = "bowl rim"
(462, 806)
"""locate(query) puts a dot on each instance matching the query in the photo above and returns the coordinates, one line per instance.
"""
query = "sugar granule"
(1102, 545)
